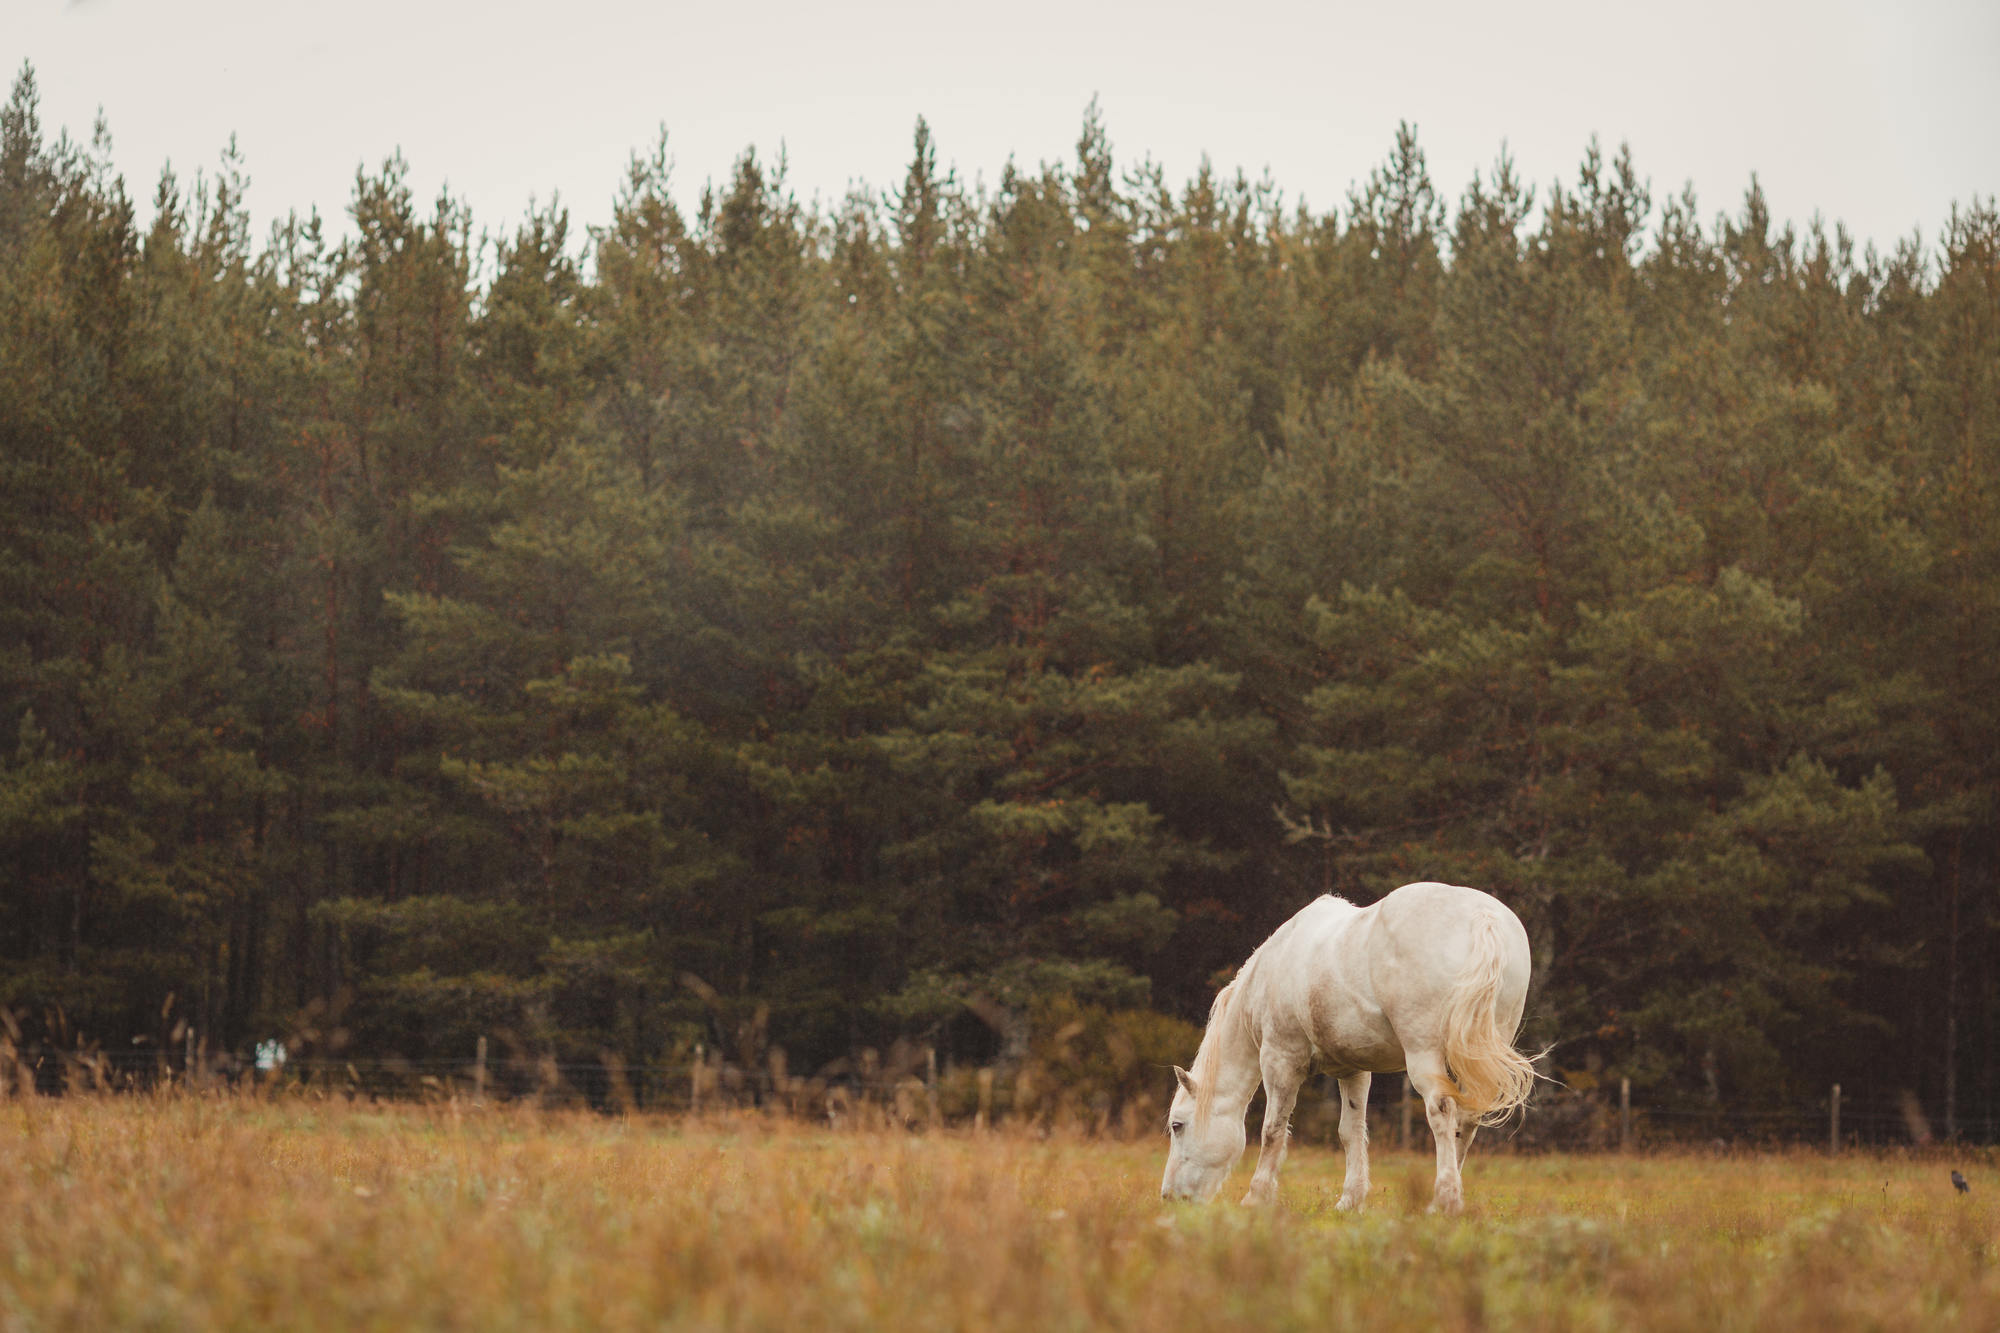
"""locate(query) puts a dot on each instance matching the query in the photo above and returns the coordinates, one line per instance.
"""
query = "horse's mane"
(1207, 1069)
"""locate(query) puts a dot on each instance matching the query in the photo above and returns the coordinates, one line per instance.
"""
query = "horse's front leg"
(1354, 1141)
(1282, 1076)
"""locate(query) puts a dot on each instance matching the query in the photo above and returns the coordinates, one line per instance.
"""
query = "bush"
(1109, 1069)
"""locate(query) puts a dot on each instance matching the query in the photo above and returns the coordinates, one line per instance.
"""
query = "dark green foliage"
(980, 617)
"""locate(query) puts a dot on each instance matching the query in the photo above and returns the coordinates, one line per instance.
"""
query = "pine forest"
(969, 617)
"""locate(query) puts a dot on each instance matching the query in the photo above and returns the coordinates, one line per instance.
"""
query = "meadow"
(245, 1213)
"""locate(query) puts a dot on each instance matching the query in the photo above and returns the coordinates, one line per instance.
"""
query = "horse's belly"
(1349, 1036)
(1349, 1059)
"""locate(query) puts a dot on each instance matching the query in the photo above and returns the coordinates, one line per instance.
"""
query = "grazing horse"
(1431, 979)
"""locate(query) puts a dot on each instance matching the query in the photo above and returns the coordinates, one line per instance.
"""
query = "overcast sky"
(1878, 115)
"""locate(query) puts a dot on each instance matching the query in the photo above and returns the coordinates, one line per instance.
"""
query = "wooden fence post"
(1624, 1115)
(1833, 1122)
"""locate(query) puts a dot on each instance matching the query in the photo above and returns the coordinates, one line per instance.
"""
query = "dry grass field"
(236, 1213)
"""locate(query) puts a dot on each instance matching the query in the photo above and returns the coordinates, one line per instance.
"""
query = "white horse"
(1431, 979)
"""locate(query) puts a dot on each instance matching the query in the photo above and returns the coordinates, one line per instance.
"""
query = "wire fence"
(1612, 1117)
(900, 1088)
(907, 1087)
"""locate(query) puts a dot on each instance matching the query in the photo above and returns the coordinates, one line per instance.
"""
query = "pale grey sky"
(1876, 114)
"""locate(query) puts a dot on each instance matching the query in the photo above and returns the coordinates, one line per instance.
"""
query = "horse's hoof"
(1347, 1203)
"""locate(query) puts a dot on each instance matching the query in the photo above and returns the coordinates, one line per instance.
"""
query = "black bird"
(1958, 1183)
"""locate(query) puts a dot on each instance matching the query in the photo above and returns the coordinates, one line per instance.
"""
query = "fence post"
(930, 1085)
(1833, 1122)
(1624, 1115)
(550, 1079)
(479, 1076)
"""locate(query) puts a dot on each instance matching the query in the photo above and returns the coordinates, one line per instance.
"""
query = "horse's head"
(1202, 1147)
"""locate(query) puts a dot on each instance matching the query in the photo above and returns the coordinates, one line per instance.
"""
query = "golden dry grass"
(231, 1213)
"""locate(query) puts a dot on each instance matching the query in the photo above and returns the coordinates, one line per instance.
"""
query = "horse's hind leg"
(1354, 1141)
(1468, 1125)
(1428, 1077)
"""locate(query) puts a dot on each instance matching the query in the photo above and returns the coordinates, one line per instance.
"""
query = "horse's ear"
(1185, 1079)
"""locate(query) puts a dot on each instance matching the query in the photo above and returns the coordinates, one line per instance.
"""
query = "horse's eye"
(1175, 1128)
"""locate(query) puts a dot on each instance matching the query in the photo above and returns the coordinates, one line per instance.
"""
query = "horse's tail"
(1493, 1078)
